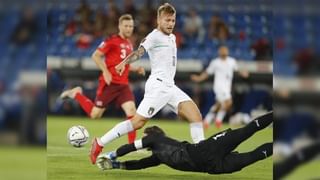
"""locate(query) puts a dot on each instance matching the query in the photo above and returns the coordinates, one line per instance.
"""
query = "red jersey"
(115, 49)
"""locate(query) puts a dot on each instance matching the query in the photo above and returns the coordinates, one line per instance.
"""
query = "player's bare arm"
(133, 57)
(139, 70)
(97, 58)
(199, 78)
(244, 73)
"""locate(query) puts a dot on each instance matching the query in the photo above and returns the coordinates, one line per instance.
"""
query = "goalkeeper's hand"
(107, 161)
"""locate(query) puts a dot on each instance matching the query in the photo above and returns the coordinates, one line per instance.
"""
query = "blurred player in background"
(223, 68)
(112, 87)
(214, 155)
(160, 88)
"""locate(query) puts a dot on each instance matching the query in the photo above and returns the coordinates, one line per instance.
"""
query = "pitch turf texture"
(67, 162)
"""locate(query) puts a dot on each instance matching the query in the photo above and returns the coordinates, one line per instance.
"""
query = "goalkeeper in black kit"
(214, 155)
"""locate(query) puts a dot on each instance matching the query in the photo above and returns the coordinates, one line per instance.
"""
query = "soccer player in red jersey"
(112, 87)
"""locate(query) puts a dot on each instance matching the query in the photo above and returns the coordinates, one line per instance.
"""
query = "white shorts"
(157, 95)
(222, 96)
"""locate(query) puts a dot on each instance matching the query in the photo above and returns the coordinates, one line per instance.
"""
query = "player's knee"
(138, 123)
(141, 123)
(95, 115)
(227, 105)
(198, 117)
(193, 115)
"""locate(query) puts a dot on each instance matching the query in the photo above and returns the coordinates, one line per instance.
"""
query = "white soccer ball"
(78, 136)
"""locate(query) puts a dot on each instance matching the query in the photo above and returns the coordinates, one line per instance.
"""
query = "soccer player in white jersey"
(160, 88)
(222, 67)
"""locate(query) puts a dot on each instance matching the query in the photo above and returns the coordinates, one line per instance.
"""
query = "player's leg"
(149, 106)
(97, 112)
(187, 109)
(126, 99)
(210, 116)
(136, 122)
(236, 161)
(231, 139)
(76, 93)
(117, 131)
(129, 109)
(225, 106)
(298, 158)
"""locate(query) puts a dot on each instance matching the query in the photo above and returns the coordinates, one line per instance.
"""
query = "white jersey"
(223, 73)
(162, 51)
(160, 89)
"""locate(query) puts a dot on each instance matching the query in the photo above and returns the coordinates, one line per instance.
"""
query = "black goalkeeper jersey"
(165, 150)
(173, 153)
(213, 155)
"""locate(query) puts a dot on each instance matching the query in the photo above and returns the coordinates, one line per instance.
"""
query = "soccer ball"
(78, 136)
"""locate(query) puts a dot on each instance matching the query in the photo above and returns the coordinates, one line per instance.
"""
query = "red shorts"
(117, 93)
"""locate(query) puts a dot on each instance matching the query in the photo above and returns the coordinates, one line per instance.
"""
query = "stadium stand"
(22, 51)
(69, 35)
(245, 29)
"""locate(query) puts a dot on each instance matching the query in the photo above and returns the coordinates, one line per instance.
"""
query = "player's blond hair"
(125, 17)
(167, 9)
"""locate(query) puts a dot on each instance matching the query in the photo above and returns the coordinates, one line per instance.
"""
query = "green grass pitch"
(22, 162)
(67, 162)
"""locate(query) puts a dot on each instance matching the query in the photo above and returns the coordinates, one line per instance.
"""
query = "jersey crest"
(151, 110)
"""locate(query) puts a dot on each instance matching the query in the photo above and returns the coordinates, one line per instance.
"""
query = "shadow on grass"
(119, 175)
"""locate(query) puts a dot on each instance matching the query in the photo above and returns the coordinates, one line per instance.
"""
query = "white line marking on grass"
(64, 155)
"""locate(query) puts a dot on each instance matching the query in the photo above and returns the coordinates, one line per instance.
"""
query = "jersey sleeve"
(211, 68)
(125, 149)
(105, 46)
(145, 142)
(148, 42)
(142, 163)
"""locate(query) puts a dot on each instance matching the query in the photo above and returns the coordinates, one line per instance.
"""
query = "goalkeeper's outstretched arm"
(147, 162)
(145, 142)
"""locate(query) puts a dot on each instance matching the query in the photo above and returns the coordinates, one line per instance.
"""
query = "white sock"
(117, 131)
(209, 117)
(220, 115)
(196, 130)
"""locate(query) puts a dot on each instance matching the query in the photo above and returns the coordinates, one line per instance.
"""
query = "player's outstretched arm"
(105, 163)
(133, 57)
(244, 73)
(199, 78)
(145, 142)
(147, 162)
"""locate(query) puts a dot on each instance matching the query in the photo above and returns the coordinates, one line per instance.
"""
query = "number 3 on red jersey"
(123, 53)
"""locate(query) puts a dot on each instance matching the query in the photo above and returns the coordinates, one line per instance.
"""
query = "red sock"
(131, 135)
(85, 103)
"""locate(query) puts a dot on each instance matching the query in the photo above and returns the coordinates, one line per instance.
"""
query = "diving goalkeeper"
(214, 155)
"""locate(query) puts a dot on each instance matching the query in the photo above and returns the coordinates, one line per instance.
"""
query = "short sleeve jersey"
(162, 51)
(115, 49)
(223, 73)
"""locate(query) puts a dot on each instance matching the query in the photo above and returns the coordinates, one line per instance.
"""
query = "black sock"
(300, 157)
(309, 152)
(236, 161)
(264, 151)
(263, 121)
